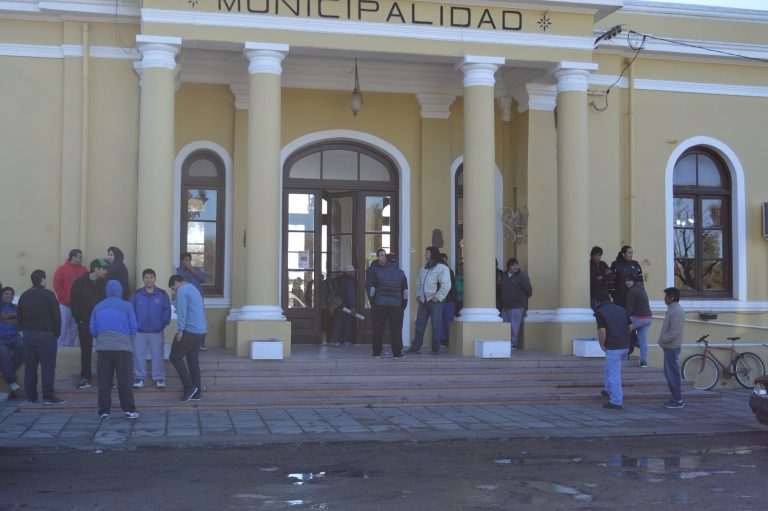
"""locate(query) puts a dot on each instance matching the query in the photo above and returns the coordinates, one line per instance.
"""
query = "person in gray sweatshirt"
(671, 340)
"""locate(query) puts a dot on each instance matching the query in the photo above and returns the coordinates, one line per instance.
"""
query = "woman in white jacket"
(432, 286)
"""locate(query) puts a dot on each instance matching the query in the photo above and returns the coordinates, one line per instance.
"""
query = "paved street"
(83, 430)
(663, 473)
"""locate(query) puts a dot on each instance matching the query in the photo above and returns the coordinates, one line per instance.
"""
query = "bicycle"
(704, 368)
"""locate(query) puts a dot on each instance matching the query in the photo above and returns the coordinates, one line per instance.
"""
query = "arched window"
(202, 230)
(702, 225)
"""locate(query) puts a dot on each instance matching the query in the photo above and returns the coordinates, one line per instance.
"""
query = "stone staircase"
(324, 377)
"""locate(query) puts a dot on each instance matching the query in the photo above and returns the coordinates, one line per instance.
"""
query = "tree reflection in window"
(701, 226)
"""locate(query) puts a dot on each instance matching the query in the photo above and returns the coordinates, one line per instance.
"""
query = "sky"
(743, 4)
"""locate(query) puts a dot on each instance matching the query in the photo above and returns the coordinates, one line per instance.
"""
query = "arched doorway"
(339, 206)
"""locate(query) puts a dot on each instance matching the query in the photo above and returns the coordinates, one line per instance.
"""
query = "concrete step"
(171, 402)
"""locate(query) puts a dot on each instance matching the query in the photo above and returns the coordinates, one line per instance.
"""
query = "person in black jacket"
(598, 275)
(344, 315)
(516, 289)
(625, 266)
(117, 270)
(387, 289)
(87, 291)
(39, 319)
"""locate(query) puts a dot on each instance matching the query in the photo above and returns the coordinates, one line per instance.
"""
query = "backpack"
(329, 295)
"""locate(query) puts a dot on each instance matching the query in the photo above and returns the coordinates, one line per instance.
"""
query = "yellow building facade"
(224, 128)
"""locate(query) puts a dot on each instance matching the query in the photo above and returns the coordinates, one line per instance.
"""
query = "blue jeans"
(11, 357)
(672, 372)
(613, 360)
(643, 326)
(515, 318)
(40, 350)
(428, 310)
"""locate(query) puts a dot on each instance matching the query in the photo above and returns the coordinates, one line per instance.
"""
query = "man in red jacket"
(62, 284)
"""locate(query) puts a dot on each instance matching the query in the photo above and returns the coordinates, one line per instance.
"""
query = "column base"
(479, 314)
(230, 331)
(464, 334)
(246, 331)
(556, 338)
(261, 312)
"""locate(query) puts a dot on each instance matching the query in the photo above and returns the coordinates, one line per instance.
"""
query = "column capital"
(572, 76)
(505, 104)
(265, 57)
(537, 96)
(158, 51)
(479, 70)
(435, 106)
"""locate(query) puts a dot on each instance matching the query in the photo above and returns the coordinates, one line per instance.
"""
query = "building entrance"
(339, 206)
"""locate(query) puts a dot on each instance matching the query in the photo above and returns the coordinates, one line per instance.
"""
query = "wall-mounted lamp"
(356, 99)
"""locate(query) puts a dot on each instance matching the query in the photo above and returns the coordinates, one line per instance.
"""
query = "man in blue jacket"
(153, 313)
(113, 326)
(192, 327)
(194, 276)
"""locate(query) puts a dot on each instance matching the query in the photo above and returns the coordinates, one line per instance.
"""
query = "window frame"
(699, 194)
(218, 184)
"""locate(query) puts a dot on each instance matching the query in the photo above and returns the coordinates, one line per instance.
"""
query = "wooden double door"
(324, 231)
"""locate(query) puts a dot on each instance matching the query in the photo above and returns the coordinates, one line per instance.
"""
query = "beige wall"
(30, 141)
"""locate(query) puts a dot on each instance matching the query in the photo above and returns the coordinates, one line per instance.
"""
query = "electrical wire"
(118, 36)
(681, 43)
(637, 49)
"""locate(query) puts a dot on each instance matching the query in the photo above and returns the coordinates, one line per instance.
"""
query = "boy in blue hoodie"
(153, 313)
(113, 325)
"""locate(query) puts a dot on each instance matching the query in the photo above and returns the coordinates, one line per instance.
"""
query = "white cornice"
(685, 87)
(94, 10)
(362, 28)
(694, 11)
(662, 48)
(721, 306)
(66, 50)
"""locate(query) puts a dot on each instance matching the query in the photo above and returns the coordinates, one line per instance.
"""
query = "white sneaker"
(14, 386)
(138, 384)
(131, 415)
(160, 384)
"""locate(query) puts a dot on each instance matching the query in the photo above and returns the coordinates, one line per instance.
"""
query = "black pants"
(394, 316)
(189, 372)
(108, 363)
(40, 349)
(86, 349)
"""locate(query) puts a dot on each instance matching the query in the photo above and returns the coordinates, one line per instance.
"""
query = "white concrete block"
(267, 349)
(587, 348)
(493, 348)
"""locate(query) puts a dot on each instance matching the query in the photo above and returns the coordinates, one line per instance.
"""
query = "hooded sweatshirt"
(65, 275)
(113, 322)
(119, 272)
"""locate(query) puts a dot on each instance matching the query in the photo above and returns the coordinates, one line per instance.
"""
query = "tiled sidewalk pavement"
(249, 427)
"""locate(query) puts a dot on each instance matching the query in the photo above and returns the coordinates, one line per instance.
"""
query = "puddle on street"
(544, 460)
(653, 464)
(560, 489)
(730, 451)
(489, 487)
(300, 478)
(304, 477)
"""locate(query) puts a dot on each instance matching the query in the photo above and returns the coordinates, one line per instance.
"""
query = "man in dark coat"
(86, 292)
(118, 271)
(387, 288)
(613, 333)
(39, 320)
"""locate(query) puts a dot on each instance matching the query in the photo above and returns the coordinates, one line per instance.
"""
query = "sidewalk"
(229, 428)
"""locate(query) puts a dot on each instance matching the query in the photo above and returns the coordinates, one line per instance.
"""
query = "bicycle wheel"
(747, 367)
(701, 370)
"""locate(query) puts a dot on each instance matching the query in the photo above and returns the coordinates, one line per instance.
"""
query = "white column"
(264, 218)
(479, 189)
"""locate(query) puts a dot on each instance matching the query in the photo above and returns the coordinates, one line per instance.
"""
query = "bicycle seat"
(733, 338)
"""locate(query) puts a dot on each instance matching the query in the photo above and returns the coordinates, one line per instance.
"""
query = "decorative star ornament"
(193, 3)
(544, 22)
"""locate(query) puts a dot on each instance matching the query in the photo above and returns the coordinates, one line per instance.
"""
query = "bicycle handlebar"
(703, 338)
